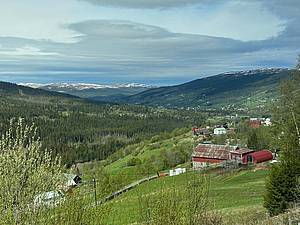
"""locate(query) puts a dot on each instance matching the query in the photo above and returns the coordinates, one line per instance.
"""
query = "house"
(254, 123)
(258, 157)
(177, 171)
(220, 130)
(210, 154)
(267, 122)
(200, 131)
(71, 181)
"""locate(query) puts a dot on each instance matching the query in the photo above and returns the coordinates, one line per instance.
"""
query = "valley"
(150, 112)
(124, 153)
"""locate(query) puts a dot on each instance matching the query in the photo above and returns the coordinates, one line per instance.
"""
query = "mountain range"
(248, 89)
(99, 92)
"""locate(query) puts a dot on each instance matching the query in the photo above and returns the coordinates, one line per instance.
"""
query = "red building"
(200, 131)
(205, 154)
(258, 157)
(254, 123)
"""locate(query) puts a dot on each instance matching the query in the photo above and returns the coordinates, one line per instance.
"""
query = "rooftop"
(218, 151)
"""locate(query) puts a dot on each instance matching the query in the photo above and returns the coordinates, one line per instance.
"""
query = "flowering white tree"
(26, 170)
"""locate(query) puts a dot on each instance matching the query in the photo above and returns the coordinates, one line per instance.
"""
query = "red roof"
(262, 156)
(242, 151)
(222, 152)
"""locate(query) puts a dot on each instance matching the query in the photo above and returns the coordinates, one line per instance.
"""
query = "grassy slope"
(236, 195)
(146, 151)
(239, 195)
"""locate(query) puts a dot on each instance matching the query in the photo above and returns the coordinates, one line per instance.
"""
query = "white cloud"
(145, 3)
(26, 51)
(114, 43)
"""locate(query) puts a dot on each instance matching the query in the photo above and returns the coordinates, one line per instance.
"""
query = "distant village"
(207, 154)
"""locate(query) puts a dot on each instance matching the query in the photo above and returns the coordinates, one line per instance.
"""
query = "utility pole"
(95, 191)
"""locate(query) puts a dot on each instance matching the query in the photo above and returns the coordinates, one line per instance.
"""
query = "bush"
(133, 162)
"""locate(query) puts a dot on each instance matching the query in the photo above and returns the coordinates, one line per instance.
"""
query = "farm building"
(267, 122)
(210, 154)
(220, 130)
(200, 131)
(177, 171)
(258, 157)
(254, 123)
(71, 181)
(205, 154)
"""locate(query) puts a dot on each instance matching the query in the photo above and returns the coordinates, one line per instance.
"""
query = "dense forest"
(83, 131)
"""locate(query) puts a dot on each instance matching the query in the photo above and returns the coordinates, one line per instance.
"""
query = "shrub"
(133, 161)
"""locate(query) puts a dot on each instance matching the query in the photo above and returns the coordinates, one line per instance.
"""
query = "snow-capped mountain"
(255, 72)
(83, 86)
(98, 92)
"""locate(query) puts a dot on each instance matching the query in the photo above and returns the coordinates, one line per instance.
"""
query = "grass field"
(237, 195)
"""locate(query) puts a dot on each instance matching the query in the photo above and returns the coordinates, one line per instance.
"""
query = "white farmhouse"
(220, 130)
(267, 122)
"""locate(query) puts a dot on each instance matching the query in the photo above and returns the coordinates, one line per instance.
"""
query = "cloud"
(26, 51)
(117, 29)
(110, 50)
(120, 50)
(150, 4)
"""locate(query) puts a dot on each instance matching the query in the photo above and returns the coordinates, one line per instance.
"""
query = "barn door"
(249, 159)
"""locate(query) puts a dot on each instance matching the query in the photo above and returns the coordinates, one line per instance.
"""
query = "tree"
(25, 171)
(134, 161)
(252, 140)
(283, 183)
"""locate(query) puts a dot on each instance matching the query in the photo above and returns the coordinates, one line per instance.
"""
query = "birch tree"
(25, 171)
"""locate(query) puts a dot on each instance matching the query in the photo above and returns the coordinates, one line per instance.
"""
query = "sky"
(158, 42)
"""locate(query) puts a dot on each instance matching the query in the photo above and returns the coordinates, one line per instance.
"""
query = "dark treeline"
(81, 131)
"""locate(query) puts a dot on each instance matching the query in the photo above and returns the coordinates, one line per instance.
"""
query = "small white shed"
(220, 130)
(177, 171)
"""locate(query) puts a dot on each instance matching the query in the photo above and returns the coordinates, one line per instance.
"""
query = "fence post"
(95, 191)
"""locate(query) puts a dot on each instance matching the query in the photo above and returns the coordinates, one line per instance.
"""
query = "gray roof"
(212, 151)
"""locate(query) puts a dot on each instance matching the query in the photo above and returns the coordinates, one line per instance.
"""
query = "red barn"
(255, 123)
(258, 157)
(205, 154)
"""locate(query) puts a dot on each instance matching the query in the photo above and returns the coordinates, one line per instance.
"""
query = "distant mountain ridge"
(99, 92)
(246, 89)
(235, 88)
(11, 89)
(83, 86)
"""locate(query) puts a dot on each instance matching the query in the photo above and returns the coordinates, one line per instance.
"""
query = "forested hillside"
(84, 131)
(247, 89)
